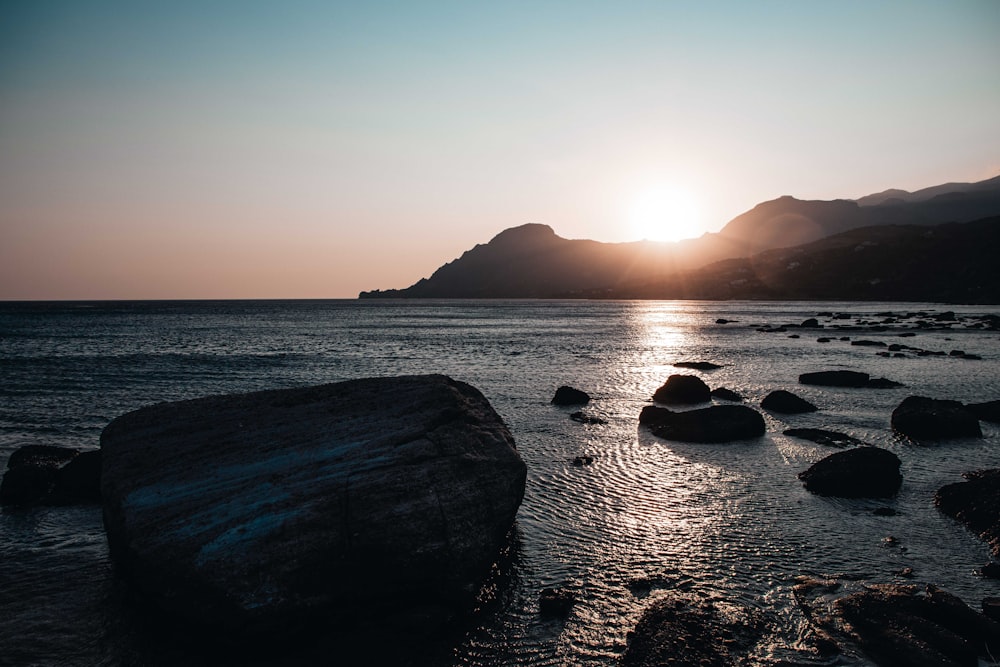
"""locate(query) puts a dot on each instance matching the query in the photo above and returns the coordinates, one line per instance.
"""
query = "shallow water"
(647, 516)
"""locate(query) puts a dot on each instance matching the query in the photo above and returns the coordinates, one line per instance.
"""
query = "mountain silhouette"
(531, 261)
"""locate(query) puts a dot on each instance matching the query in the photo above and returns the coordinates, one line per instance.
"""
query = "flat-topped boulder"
(786, 402)
(257, 513)
(924, 418)
(841, 378)
(718, 423)
(683, 389)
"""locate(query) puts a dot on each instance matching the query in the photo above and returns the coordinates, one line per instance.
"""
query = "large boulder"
(896, 624)
(976, 503)
(683, 389)
(862, 472)
(718, 423)
(257, 513)
(786, 402)
(923, 418)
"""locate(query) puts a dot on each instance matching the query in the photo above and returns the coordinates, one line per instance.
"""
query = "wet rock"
(835, 379)
(687, 630)
(683, 389)
(868, 343)
(79, 481)
(862, 472)
(556, 602)
(898, 624)
(883, 383)
(923, 418)
(991, 570)
(584, 418)
(49, 475)
(698, 365)
(987, 412)
(570, 396)
(823, 437)
(787, 403)
(584, 460)
(43, 455)
(718, 423)
(723, 320)
(811, 323)
(822, 339)
(991, 608)
(256, 513)
(726, 395)
(27, 484)
(976, 504)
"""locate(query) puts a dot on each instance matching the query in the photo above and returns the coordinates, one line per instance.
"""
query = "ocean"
(647, 516)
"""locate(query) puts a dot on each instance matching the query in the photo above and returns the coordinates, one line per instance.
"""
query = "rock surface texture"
(259, 513)
(923, 418)
(862, 472)
(718, 423)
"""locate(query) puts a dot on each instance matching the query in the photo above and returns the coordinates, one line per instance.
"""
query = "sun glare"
(665, 214)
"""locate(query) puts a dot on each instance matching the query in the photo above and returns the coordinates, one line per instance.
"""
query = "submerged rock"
(256, 513)
(570, 396)
(698, 365)
(975, 503)
(718, 423)
(987, 412)
(846, 379)
(556, 602)
(923, 418)
(786, 402)
(584, 418)
(862, 472)
(686, 630)
(897, 624)
(683, 389)
(823, 437)
(726, 395)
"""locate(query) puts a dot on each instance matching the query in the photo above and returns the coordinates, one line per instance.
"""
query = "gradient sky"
(313, 149)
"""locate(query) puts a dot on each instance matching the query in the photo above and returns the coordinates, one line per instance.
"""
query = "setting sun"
(665, 214)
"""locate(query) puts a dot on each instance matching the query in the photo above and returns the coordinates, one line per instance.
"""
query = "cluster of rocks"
(49, 475)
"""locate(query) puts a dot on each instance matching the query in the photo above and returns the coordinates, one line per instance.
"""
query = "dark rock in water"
(883, 383)
(956, 353)
(718, 423)
(975, 503)
(794, 336)
(835, 378)
(44, 455)
(862, 472)
(584, 418)
(991, 570)
(987, 412)
(786, 402)
(584, 460)
(898, 624)
(258, 513)
(868, 343)
(686, 630)
(723, 320)
(923, 418)
(556, 602)
(991, 608)
(683, 389)
(570, 396)
(698, 365)
(823, 437)
(726, 394)
(44, 474)
(79, 481)
(822, 339)
(27, 484)
(811, 323)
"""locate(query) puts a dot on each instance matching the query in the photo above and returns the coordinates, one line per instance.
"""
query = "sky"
(252, 149)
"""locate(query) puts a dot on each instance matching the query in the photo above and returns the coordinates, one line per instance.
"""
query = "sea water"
(724, 521)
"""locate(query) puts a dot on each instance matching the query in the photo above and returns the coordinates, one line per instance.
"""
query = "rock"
(786, 402)
(698, 365)
(79, 481)
(257, 513)
(811, 323)
(584, 460)
(862, 472)
(556, 602)
(718, 423)
(987, 412)
(723, 320)
(686, 630)
(794, 336)
(823, 437)
(923, 418)
(45, 474)
(991, 570)
(835, 379)
(584, 418)
(683, 389)
(884, 511)
(956, 353)
(822, 339)
(883, 383)
(975, 503)
(27, 484)
(991, 608)
(726, 395)
(898, 624)
(868, 343)
(570, 396)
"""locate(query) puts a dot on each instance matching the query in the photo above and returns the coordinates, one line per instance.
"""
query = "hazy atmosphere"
(310, 150)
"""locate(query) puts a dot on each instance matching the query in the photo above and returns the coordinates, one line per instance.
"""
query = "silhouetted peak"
(524, 236)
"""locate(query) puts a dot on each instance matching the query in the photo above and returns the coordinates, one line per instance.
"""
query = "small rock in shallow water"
(787, 403)
(556, 602)
(862, 472)
(823, 437)
(570, 396)
(715, 424)
(584, 460)
(726, 395)
(683, 389)
(923, 418)
(584, 418)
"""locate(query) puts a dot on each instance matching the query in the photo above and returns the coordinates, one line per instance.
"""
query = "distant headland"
(936, 244)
